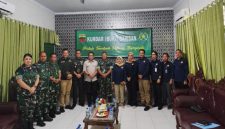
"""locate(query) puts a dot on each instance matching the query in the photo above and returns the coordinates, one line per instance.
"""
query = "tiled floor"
(129, 118)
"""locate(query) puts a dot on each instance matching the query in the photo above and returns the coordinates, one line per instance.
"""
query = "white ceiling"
(60, 6)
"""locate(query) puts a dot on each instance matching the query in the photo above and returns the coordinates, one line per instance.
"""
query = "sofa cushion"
(185, 113)
(186, 101)
(8, 108)
(8, 121)
(219, 112)
(177, 92)
(206, 94)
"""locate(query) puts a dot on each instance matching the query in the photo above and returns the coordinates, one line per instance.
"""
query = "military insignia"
(82, 38)
(168, 66)
(144, 61)
(143, 36)
(181, 62)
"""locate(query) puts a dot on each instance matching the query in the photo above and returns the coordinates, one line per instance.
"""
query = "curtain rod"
(208, 6)
(203, 9)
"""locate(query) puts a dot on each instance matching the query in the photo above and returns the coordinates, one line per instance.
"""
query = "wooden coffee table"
(93, 120)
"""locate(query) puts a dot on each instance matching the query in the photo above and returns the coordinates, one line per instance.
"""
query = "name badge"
(156, 70)
(166, 71)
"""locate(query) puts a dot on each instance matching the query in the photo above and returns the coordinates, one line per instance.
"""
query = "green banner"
(115, 42)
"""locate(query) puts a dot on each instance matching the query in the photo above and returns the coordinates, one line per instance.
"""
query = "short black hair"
(27, 54)
(42, 53)
(179, 50)
(104, 52)
(142, 50)
(65, 49)
(156, 53)
(53, 54)
(78, 50)
(91, 52)
(166, 54)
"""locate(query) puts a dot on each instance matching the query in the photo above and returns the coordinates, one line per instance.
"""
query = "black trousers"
(78, 91)
(157, 93)
(166, 93)
(91, 89)
(132, 92)
(179, 85)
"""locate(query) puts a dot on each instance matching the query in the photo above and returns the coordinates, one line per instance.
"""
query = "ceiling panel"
(101, 5)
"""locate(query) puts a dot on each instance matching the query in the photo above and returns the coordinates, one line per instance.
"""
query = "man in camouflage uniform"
(78, 79)
(104, 70)
(27, 78)
(43, 89)
(55, 78)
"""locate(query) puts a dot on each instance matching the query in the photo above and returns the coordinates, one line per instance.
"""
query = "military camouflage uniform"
(105, 90)
(78, 83)
(54, 88)
(43, 89)
(26, 101)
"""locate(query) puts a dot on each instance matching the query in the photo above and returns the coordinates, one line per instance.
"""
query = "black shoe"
(62, 109)
(160, 108)
(47, 118)
(73, 106)
(169, 107)
(57, 112)
(40, 123)
(130, 104)
(52, 114)
(81, 104)
(146, 108)
(68, 107)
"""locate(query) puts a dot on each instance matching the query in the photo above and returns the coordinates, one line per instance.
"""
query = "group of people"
(154, 79)
(44, 84)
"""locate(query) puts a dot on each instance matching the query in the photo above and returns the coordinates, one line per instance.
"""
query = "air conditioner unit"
(6, 8)
(184, 13)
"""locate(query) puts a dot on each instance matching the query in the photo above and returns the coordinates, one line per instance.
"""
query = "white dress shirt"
(90, 67)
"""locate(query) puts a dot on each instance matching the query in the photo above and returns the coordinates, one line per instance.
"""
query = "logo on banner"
(143, 36)
(82, 38)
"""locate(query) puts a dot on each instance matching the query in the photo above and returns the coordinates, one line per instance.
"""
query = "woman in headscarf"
(118, 80)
